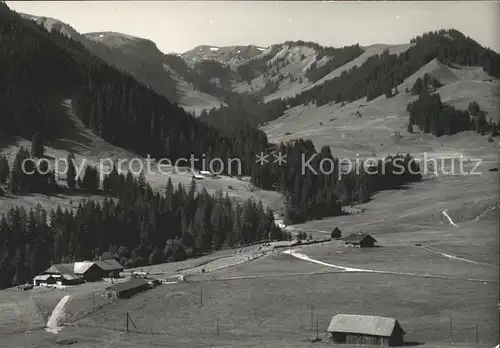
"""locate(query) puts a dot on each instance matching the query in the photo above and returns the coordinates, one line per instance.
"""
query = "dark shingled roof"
(131, 284)
(358, 237)
(109, 265)
(363, 324)
(64, 269)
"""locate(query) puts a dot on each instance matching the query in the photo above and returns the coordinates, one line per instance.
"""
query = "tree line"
(378, 75)
(337, 58)
(135, 224)
(317, 185)
(433, 116)
(40, 69)
(256, 66)
(141, 227)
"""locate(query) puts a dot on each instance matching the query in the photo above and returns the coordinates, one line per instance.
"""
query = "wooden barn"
(96, 270)
(360, 240)
(109, 268)
(78, 272)
(88, 270)
(129, 288)
(365, 330)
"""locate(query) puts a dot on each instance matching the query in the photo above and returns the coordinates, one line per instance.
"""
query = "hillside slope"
(111, 103)
(283, 65)
(286, 69)
(90, 149)
(97, 111)
(281, 71)
(145, 61)
(139, 57)
(295, 60)
(372, 133)
(278, 71)
(191, 99)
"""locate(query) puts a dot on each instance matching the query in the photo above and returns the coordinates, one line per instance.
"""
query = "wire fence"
(313, 327)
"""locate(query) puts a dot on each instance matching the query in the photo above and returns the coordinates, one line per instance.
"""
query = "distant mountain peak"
(120, 40)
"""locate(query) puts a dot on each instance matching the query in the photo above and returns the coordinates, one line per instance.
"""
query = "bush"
(336, 233)
(301, 236)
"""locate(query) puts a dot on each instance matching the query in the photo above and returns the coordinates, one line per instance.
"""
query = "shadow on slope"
(70, 133)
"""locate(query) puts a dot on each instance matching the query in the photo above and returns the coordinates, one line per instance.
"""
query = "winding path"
(453, 257)
(445, 213)
(304, 257)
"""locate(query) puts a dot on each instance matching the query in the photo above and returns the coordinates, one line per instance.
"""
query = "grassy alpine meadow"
(278, 309)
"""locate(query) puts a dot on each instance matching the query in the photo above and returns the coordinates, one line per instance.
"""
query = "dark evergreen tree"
(4, 169)
(22, 173)
(90, 181)
(71, 172)
(432, 116)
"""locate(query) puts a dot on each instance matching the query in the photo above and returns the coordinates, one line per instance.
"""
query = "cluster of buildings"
(348, 329)
(78, 272)
(75, 273)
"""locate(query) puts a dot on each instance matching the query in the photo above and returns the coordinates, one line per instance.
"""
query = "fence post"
(312, 321)
(477, 332)
(217, 326)
(451, 332)
(317, 329)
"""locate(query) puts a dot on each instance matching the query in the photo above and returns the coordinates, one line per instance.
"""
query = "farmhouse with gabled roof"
(360, 240)
(60, 274)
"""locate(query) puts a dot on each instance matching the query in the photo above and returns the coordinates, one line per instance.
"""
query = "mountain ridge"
(142, 58)
(208, 77)
(231, 55)
(138, 56)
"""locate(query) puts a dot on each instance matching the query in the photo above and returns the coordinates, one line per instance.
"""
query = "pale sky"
(178, 26)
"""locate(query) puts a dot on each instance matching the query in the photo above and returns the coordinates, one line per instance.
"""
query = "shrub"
(336, 233)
